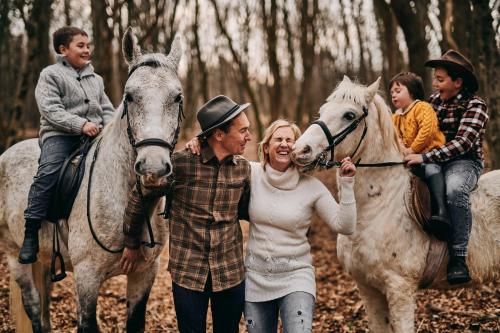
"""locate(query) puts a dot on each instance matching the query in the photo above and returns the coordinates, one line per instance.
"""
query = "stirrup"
(56, 255)
(53, 276)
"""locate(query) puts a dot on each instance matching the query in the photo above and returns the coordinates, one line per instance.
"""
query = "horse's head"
(347, 114)
(152, 107)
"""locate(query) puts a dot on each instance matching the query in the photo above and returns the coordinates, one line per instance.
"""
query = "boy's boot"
(439, 224)
(29, 250)
(458, 272)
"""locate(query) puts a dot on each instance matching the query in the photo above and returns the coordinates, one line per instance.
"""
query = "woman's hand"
(347, 168)
(194, 146)
(131, 259)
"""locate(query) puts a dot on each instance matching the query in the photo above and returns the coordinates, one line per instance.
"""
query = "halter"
(135, 144)
(334, 140)
(150, 141)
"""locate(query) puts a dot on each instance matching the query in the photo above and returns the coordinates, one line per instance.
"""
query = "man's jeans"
(191, 308)
(461, 176)
(295, 309)
(55, 149)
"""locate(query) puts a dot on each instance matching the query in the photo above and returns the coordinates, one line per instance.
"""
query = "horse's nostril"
(168, 168)
(306, 150)
(137, 167)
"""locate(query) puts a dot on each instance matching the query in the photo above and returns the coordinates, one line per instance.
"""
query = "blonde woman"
(279, 276)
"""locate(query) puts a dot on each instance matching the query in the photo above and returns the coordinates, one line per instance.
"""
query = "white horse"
(153, 101)
(386, 255)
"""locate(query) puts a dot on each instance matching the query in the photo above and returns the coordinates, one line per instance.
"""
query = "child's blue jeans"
(55, 150)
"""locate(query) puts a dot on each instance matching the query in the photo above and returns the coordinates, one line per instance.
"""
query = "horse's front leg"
(138, 287)
(376, 308)
(88, 281)
(401, 300)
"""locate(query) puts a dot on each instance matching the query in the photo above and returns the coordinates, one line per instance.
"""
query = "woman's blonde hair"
(268, 133)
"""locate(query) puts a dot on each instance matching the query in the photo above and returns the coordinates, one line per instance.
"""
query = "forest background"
(283, 56)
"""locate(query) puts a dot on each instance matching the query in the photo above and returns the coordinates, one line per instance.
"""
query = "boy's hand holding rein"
(90, 129)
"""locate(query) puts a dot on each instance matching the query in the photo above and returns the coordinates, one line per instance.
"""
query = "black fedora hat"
(455, 61)
(216, 112)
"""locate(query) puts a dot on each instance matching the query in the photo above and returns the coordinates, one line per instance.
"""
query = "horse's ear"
(176, 51)
(130, 47)
(346, 79)
(372, 90)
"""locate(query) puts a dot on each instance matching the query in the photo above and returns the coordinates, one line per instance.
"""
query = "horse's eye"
(128, 98)
(178, 98)
(349, 116)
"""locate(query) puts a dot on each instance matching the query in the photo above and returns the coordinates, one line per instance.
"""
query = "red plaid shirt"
(463, 121)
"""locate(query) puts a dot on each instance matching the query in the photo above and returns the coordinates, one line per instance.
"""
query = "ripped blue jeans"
(295, 309)
(461, 176)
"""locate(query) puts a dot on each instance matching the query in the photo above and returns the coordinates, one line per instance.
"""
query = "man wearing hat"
(462, 118)
(210, 194)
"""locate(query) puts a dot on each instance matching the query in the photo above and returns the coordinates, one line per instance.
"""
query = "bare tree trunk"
(487, 65)
(388, 28)
(307, 44)
(447, 26)
(242, 67)
(290, 89)
(171, 24)
(103, 39)
(37, 30)
(201, 64)
(270, 25)
(67, 12)
(358, 20)
(348, 54)
(412, 18)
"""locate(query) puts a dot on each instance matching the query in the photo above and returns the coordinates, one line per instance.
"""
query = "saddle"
(68, 183)
(419, 208)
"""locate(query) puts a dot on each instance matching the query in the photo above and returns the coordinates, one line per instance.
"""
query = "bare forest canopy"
(283, 56)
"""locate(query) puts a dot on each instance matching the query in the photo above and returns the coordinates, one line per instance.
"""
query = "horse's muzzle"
(302, 156)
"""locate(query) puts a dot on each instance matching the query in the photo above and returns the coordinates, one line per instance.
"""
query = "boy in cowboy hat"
(210, 194)
(462, 118)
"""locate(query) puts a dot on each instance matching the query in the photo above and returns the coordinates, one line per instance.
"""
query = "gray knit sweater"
(68, 98)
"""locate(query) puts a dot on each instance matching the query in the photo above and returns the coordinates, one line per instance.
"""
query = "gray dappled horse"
(153, 100)
(386, 255)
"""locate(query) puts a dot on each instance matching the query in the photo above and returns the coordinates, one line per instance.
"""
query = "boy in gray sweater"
(72, 104)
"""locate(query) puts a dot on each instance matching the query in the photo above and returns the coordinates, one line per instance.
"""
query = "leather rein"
(135, 144)
(334, 140)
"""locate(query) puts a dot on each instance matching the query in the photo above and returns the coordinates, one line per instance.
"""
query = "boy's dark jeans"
(55, 149)
(191, 308)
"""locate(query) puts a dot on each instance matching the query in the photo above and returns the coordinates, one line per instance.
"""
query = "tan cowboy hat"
(216, 112)
(458, 63)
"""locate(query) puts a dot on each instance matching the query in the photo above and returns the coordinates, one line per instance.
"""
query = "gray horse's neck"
(380, 192)
(115, 160)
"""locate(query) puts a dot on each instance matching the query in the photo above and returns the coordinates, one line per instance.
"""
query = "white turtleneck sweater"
(278, 260)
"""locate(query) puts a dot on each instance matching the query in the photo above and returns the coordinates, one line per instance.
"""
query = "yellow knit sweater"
(418, 127)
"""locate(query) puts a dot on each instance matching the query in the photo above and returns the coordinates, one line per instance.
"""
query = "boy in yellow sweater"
(418, 128)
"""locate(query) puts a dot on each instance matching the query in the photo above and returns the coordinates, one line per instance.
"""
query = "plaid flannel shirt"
(205, 234)
(463, 121)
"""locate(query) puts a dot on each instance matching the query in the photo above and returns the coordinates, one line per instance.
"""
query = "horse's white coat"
(153, 114)
(386, 255)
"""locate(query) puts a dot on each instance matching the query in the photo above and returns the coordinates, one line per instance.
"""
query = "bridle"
(135, 145)
(334, 140)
